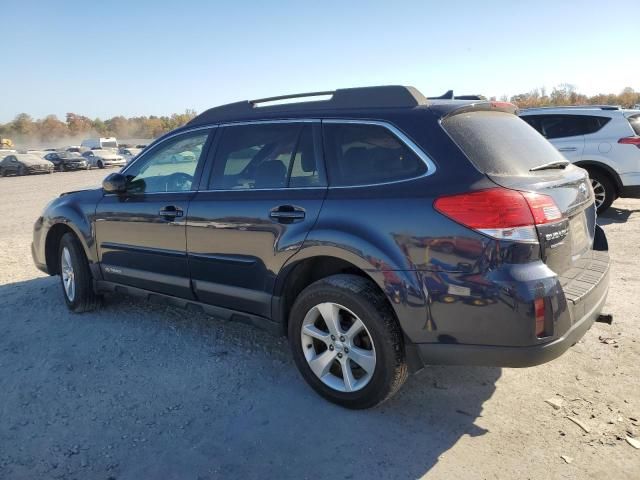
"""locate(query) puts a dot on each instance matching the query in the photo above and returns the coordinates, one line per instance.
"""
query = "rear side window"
(634, 120)
(561, 126)
(499, 143)
(362, 154)
(265, 155)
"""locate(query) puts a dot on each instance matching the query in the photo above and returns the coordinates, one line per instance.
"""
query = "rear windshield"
(634, 120)
(499, 143)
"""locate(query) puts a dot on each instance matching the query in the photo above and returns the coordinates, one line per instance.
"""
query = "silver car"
(102, 158)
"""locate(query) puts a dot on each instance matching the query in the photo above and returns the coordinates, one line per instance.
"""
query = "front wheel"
(603, 190)
(346, 341)
(75, 276)
(22, 171)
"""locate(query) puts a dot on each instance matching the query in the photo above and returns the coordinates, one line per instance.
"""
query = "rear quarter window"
(367, 154)
(499, 143)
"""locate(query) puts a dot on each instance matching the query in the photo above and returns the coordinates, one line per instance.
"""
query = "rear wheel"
(100, 164)
(603, 190)
(3, 173)
(75, 276)
(346, 341)
(22, 170)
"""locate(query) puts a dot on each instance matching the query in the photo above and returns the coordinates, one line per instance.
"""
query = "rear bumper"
(584, 301)
(499, 356)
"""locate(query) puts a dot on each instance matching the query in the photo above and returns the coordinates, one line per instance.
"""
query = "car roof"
(374, 102)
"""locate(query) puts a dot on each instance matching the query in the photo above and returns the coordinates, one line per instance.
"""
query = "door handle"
(287, 213)
(171, 211)
(567, 149)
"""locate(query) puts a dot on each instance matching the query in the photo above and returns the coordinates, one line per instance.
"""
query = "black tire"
(84, 299)
(62, 169)
(21, 171)
(3, 173)
(100, 164)
(362, 297)
(609, 189)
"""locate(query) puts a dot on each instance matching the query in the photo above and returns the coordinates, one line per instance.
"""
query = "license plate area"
(579, 234)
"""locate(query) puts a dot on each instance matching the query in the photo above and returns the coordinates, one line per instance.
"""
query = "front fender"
(76, 212)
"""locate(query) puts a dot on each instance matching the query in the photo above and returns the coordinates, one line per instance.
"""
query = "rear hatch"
(515, 156)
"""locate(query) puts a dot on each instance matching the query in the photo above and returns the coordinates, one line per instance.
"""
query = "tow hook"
(602, 318)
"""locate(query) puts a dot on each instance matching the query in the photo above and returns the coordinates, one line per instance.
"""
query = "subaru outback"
(378, 230)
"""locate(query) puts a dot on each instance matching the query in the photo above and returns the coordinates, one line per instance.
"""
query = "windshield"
(109, 144)
(499, 143)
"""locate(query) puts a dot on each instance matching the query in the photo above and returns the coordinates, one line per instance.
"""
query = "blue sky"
(154, 57)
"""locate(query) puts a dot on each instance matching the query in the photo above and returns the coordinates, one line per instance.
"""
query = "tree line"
(24, 129)
(566, 94)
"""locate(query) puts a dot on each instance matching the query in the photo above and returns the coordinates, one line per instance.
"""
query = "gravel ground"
(146, 391)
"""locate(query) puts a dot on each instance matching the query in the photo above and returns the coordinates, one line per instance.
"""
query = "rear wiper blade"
(550, 165)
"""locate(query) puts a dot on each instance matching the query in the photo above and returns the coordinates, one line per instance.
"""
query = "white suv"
(603, 139)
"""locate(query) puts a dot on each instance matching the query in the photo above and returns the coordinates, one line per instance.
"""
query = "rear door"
(565, 132)
(264, 193)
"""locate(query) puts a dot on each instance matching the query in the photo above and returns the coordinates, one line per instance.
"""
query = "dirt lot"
(145, 391)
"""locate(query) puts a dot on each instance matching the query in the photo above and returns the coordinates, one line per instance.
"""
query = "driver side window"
(170, 167)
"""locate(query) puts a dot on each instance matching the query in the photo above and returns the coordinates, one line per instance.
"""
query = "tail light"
(630, 141)
(539, 309)
(501, 213)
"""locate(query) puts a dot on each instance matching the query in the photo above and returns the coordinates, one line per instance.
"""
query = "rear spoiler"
(450, 96)
(483, 107)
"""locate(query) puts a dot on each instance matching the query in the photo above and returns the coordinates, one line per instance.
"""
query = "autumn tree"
(78, 124)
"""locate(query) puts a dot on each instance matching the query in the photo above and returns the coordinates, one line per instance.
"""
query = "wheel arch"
(604, 168)
(52, 244)
(401, 288)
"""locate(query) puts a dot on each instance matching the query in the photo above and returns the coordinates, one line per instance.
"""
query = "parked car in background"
(65, 161)
(318, 220)
(76, 149)
(24, 164)
(102, 158)
(129, 153)
(6, 151)
(602, 139)
(102, 142)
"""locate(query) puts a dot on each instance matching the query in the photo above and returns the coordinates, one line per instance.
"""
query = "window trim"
(207, 166)
(401, 136)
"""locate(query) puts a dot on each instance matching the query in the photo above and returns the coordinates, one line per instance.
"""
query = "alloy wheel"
(68, 275)
(599, 192)
(338, 347)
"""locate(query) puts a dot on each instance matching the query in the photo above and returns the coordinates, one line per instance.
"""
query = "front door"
(141, 234)
(264, 194)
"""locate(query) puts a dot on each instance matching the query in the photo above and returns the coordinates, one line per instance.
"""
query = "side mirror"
(115, 183)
